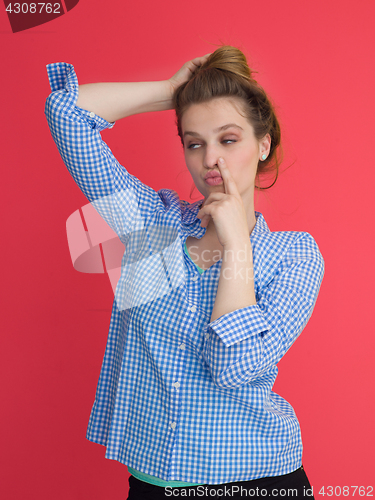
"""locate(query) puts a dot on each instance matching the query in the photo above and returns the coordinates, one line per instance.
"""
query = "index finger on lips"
(230, 186)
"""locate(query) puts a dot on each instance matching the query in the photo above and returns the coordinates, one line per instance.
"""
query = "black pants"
(293, 485)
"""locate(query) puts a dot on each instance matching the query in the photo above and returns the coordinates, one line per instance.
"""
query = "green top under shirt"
(152, 479)
(187, 253)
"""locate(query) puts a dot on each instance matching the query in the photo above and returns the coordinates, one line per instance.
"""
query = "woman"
(209, 299)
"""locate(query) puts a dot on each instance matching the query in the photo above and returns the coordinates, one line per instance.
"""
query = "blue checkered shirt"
(179, 397)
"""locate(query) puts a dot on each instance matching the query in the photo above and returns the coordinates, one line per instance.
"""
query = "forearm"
(236, 283)
(115, 100)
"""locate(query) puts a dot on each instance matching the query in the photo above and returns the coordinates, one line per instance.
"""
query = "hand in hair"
(184, 74)
(227, 212)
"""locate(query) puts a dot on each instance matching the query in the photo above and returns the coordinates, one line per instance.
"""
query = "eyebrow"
(220, 129)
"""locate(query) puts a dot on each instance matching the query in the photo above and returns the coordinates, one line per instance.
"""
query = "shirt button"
(194, 278)
(193, 309)
(182, 347)
(177, 385)
(207, 335)
(91, 115)
(173, 425)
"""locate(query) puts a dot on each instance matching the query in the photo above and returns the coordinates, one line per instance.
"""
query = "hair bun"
(228, 58)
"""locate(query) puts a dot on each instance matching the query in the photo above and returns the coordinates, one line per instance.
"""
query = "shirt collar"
(191, 223)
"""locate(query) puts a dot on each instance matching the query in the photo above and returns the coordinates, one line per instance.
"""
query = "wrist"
(239, 251)
(240, 243)
(167, 93)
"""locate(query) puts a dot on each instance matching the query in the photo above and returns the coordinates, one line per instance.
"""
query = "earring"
(264, 157)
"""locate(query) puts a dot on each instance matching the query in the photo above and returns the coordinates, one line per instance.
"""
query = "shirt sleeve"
(244, 344)
(120, 198)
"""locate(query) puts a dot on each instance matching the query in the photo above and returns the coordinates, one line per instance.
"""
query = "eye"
(229, 141)
(193, 146)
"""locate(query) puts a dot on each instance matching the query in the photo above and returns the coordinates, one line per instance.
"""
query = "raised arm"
(116, 195)
(115, 100)
(76, 114)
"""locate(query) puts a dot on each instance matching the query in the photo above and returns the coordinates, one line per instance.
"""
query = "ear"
(265, 145)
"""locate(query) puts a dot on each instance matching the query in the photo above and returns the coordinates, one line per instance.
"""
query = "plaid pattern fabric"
(178, 397)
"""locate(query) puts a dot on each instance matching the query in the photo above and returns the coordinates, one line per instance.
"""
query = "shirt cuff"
(62, 76)
(239, 325)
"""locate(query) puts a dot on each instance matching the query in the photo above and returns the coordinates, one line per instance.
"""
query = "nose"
(211, 156)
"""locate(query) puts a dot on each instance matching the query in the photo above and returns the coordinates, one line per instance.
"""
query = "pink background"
(316, 60)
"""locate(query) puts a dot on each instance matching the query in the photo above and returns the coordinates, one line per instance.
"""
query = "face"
(216, 128)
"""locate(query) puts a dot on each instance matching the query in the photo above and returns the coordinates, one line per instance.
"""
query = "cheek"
(241, 158)
(191, 165)
(247, 155)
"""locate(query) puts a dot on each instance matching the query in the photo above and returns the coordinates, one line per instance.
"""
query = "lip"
(212, 173)
(214, 181)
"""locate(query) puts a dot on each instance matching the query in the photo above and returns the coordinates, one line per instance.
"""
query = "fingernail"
(221, 160)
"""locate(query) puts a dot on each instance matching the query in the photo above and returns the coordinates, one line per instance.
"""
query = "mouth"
(213, 178)
(212, 173)
(214, 181)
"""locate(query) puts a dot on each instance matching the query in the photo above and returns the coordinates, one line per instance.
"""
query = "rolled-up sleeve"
(244, 344)
(120, 198)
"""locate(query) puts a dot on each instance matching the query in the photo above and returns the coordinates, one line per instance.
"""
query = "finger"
(202, 58)
(207, 209)
(205, 220)
(198, 61)
(230, 186)
(215, 196)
